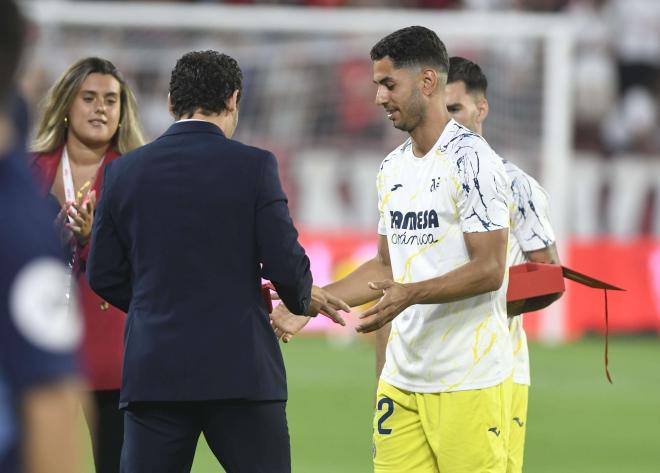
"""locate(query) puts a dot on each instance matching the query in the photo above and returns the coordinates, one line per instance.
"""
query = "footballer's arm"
(354, 288)
(546, 255)
(483, 273)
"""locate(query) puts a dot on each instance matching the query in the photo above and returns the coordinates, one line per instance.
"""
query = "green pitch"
(577, 423)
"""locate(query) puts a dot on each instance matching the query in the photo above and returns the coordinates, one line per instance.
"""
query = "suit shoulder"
(249, 150)
(127, 158)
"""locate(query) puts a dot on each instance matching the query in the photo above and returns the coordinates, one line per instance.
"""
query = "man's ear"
(482, 107)
(430, 81)
(232, 101)
(169, 105)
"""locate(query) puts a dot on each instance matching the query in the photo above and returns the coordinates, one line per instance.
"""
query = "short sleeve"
(481, 194)
(531, 213)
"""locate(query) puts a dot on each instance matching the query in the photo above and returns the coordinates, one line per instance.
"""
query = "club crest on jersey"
(414, 220)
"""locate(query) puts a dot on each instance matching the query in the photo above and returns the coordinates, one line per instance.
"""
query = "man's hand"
(396, 298)
(285, 324)
(325, 303)
(81, 216)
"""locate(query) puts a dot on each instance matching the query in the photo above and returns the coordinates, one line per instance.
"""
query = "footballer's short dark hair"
(461, 69)
(203, 81)
(412, 46)
(12, 32)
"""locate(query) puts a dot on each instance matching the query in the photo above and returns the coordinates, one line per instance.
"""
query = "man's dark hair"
(203, 80)
(461, 69)
(412, 46)
(12, 32)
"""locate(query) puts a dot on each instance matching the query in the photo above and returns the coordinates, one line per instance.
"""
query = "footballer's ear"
(482, 107)
(431, 80)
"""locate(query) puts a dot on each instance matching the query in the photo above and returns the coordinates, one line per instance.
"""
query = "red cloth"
(103, 340)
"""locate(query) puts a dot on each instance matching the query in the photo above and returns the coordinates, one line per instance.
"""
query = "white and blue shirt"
(426, 206)
(531, 231)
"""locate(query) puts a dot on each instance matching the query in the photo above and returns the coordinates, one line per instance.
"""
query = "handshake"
(391, 299)
(286, 324)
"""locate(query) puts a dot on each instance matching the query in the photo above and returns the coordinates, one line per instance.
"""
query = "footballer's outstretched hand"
(325, 303)
(285, 324)
(396, 298)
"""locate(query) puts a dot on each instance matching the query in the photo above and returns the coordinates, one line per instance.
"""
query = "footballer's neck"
(427, 133)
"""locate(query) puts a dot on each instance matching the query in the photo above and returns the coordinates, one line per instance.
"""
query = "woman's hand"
(81, 218)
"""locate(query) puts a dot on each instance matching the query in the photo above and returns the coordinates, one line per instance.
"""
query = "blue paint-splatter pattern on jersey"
(531, 224)
(467, 146)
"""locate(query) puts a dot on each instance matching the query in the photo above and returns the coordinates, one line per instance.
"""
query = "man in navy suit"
(186, 228)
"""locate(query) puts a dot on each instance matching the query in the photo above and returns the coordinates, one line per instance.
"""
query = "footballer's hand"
(396, 298)
(285, 324)
(325, 303)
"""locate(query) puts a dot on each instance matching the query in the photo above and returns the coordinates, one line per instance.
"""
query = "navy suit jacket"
(184, 231)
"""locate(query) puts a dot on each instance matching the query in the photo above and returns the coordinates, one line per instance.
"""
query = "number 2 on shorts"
(385, 401)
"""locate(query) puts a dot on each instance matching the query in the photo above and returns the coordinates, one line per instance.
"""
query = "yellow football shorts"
(455, 432)
(518, 428)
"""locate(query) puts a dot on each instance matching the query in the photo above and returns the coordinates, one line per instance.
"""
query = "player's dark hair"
(12, 33)
(461, 69)
(412, 46)
(203, 81)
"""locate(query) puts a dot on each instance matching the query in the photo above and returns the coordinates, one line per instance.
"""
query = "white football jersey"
(426, 205)
(531, 231)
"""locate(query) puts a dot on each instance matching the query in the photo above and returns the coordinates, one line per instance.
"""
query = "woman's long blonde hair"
(51, 130)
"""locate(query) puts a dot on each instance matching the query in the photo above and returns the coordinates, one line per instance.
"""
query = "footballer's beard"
(415, 112)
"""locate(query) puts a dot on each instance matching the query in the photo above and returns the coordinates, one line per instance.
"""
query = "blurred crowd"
(615, 179)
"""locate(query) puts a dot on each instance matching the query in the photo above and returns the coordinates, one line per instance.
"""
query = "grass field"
(577, 422)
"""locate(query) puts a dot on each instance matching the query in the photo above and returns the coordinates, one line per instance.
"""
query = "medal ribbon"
(70, 194)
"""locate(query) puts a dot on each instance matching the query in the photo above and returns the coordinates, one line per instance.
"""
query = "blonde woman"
(89, 118)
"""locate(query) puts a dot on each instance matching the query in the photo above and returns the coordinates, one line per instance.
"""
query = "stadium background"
(574, 88)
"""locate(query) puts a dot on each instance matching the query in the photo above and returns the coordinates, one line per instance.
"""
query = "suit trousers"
(245, 436)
